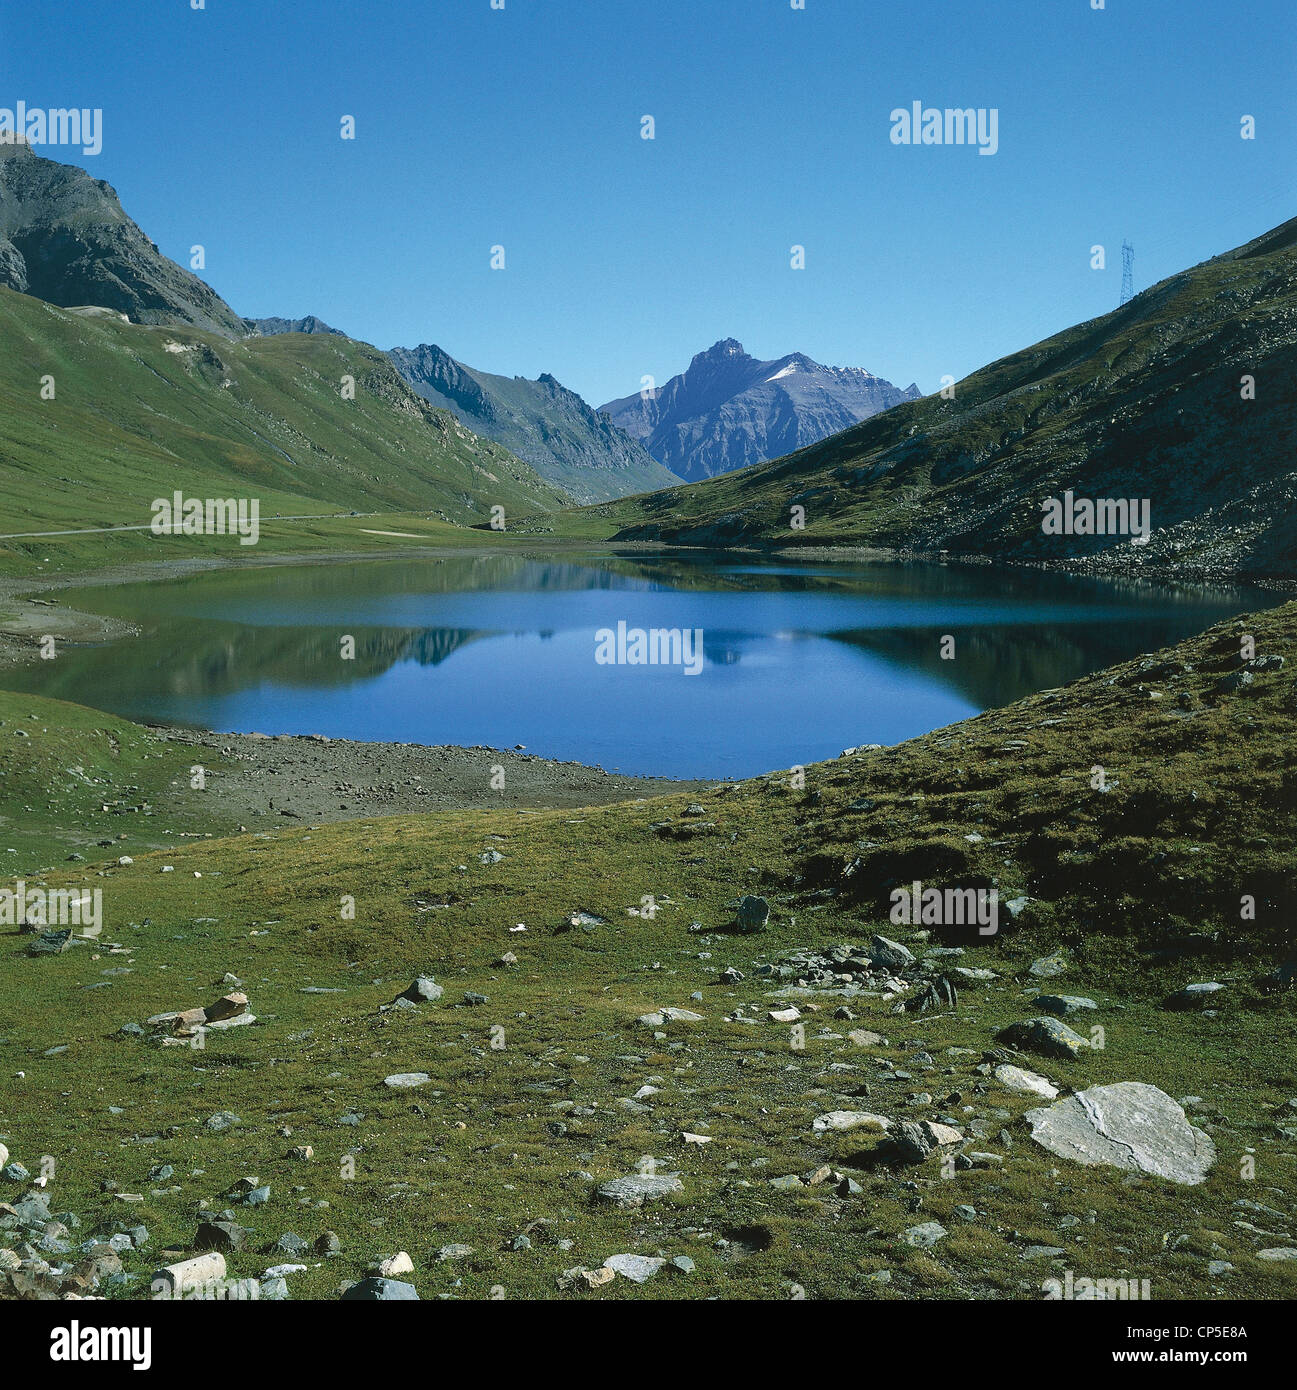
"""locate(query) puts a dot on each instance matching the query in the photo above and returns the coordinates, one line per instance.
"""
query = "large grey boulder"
(1045, 1035)
(753, 914)
(1128, 1125)
(634, 1191)
(889, 955)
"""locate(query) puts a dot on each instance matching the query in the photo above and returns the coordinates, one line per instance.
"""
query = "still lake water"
(801, 661)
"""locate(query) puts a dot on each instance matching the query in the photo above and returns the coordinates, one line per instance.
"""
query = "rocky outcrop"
(64, 238)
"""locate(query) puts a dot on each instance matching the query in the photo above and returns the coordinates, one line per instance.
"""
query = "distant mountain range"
(729, 410)
(1186, 396)
(541, 421)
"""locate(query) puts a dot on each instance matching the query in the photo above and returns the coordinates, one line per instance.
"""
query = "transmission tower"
(1127, 270)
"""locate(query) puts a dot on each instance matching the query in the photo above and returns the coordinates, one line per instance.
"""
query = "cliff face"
(65, 238)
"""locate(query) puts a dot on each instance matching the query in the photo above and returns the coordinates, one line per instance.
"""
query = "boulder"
(752, 916)
(842, 1121)
(924, 1237)
(637, 1268)
(639, 1188)
(1016, 1079)
(171, 1281)
(1128, 1125)
(889, 955)
(1047, 1036)
(406, 1080)
(423, 988)
(1063, 1005)
(1193, 996)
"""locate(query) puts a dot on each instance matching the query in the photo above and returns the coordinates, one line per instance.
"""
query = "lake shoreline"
(25, 619)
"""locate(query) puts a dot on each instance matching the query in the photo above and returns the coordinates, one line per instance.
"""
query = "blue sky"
(521, 127)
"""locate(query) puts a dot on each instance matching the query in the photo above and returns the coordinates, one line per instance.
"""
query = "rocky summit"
(65, 238)
(728, 410)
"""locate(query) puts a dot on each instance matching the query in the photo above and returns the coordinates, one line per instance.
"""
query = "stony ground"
(601, 1064)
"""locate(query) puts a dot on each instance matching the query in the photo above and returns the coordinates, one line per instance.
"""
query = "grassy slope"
(61, 765)
(1144, 402)
(132, 420)
(550, 427)
(1203, 808)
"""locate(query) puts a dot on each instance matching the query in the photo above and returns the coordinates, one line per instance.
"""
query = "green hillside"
(1146, 402)
(141, 411)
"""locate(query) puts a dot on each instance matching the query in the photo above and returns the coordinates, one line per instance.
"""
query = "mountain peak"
(720, 351)
(728, 410)
(64, 238)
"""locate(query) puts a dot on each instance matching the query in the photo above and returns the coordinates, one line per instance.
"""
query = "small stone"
(637, 1268)
(925, 1236)
(380, 1291)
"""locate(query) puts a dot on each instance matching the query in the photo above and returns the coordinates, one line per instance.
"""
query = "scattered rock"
(1129, 1125)
(1045, 1035)
(639, 1188)
(1016, 1079)
(637, 1268)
